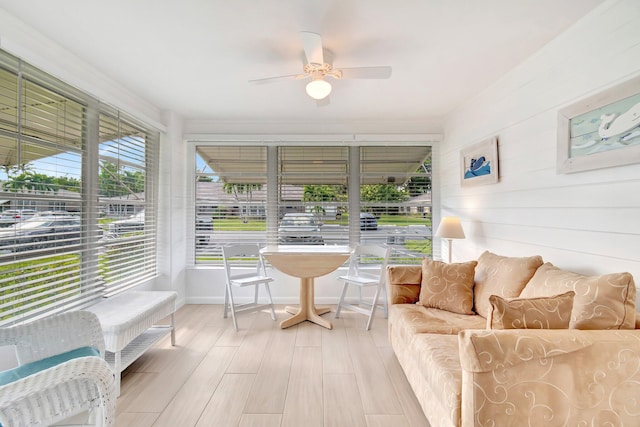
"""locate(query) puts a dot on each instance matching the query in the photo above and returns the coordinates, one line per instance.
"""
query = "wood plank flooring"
(264, 376)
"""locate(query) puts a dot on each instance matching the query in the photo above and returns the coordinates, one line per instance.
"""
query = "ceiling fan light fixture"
(318, 88)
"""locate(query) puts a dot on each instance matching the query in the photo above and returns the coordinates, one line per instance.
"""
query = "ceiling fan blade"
(366, 73)
(312, 44)
(277, 79)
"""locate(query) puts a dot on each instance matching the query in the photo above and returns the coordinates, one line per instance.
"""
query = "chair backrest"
(243, 255)
(368, 255)
(53, 335)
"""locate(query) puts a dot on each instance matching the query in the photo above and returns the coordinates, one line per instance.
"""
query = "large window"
(76, 196)
(320, 194)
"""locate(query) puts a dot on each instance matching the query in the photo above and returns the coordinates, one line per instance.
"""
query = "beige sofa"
(565, 352)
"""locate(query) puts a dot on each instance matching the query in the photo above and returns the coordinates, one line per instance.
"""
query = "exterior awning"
(299, 165)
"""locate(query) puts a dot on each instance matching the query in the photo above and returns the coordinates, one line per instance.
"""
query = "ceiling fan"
(318, 70)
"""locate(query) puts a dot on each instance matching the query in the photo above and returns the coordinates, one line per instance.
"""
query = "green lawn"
(236, 224)
(61, 270)
(419, 246)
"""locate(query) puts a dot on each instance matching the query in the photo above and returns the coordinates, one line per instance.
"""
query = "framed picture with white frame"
(600, 131)
(479, 163)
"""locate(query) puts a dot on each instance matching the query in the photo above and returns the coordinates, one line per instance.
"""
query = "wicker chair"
(66, 389)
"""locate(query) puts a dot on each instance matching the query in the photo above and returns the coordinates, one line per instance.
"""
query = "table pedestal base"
(307, 310)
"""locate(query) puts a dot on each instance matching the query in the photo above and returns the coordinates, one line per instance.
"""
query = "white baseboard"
(285, 300)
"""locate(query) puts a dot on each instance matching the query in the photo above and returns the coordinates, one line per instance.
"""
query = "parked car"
(135, 224)
(299, 229)
(204, 226)
(13, 216)
(40, 232)
(127, 226)
(57, 212)
(368, 221)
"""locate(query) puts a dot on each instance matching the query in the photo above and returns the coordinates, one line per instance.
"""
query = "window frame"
(84, 283)
(273, 143)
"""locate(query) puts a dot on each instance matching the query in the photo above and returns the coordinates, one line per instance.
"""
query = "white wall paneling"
(587, 222)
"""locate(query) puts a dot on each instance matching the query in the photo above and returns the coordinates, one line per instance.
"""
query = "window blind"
(230, 199)
(126, 163)
(314, 194)
(55, 253)
(395, 189)
(313, 191)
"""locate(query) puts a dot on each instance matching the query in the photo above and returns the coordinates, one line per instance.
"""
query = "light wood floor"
(262, 375)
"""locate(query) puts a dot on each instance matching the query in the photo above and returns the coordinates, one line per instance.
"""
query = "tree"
(12, 170)
(320, 194)
(420, 184)
(31, 182)
(383, 193)
(68, 183)
(23, 178)
(238, 189)
(115, 181)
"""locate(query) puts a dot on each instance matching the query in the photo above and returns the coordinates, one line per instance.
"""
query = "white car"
(40, 232)
(13, 216)
(299, 229)
(126, 227)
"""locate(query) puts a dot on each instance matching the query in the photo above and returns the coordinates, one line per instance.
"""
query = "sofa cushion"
(601, 302)
(404, 283)
(439, 359)
(31, 368)
(447, 286)
(410, 319)
(530, 313)
(502, 276)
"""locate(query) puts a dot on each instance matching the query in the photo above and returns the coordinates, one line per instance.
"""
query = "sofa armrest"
(550, 377)
(403, 283)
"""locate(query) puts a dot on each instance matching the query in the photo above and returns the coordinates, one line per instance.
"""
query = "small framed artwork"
(601, 131)
(480, 163)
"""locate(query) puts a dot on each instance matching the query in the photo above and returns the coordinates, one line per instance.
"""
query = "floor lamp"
(450, 228)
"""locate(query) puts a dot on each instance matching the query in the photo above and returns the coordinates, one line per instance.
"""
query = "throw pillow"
(404, 283)
(530, 313)
(447, 286)
(601, 302)
(502, 276)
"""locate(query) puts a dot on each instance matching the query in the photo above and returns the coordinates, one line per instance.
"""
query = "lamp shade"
(318, 88)
(450, 228)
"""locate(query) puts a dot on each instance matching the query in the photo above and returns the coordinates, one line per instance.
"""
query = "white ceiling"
(195, 57)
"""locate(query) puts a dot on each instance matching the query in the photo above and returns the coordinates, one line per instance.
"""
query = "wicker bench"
(129, 324)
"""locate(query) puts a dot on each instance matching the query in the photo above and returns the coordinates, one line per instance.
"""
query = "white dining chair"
(244, 267)
(367, 268)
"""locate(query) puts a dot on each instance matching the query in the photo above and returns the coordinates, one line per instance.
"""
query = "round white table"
(306, 262)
